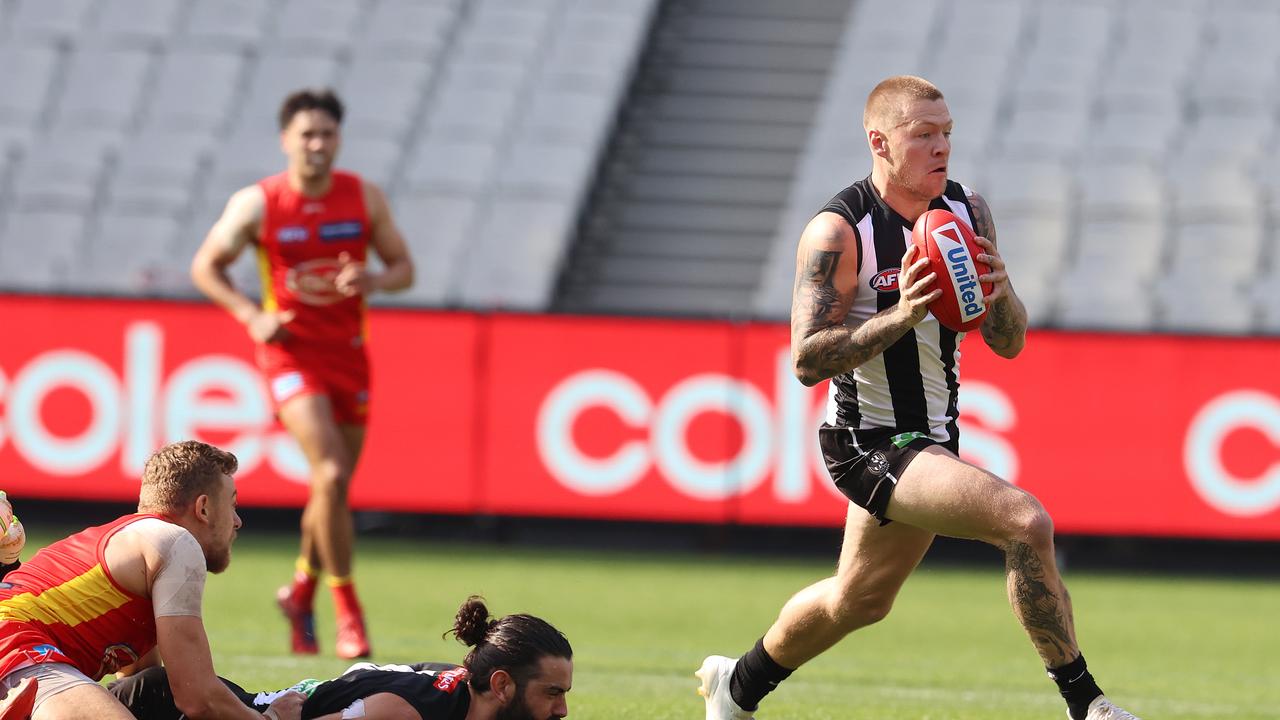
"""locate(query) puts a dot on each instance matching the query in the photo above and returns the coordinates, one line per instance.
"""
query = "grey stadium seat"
(547, 170)
(157, 173)
(514, 255)
(134, 255)
(451, 165)
(437, 227)
(195, 90)
(374, 158)
(229, 24)
(39, 250)
(26, 83)
(382, 95)
(49, 20)
(61, 173)
(103, 88)
(409, 29)
(137, 23)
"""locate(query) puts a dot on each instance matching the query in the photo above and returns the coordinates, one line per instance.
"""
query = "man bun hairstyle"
(178, 473)
(887, 98)
(515, 643)
(310, 99)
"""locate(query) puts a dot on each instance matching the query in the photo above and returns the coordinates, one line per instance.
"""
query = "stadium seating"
(1128, 148)
(128, 123)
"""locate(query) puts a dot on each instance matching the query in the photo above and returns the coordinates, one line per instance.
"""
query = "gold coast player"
(312, 226)
(890, 439)
(122, 596)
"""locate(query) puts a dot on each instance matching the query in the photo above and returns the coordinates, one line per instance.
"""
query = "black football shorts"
(865, 464)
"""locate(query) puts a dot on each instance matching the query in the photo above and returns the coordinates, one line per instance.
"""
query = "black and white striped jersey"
(914, 384)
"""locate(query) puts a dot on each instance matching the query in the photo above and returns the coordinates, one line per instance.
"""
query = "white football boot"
(1102, 709)
(714, 674)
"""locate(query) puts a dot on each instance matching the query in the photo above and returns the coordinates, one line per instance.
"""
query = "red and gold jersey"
(298, 250)
(64, 606)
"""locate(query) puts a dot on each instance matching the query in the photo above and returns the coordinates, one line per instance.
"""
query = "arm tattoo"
(819, 275)
(982, 222)
(1044, 615)
(1002, 329)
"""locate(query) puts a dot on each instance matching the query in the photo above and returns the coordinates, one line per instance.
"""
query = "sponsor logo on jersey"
(284, 386)
(42, 653)
(292, 234)
(961, 270)
(449, 680)
(877, 463)
(312, 281)
(343, 230)
(885, 280)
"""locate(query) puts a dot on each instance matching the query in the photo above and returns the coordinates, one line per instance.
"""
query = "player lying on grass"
(519, 668)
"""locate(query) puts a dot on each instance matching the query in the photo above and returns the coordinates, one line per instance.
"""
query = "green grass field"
(1166, 647)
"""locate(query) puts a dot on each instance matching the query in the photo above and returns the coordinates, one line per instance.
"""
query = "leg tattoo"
(1040, 604)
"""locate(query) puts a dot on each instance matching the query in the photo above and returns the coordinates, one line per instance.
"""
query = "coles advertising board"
(620, 418)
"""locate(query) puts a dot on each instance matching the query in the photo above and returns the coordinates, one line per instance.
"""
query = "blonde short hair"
(178, 473)
(885, 102)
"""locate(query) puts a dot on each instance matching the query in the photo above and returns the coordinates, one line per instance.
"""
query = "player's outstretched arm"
(1005, 327)
(380, 706)
(197, 691)
(388, 243)
(822, 346)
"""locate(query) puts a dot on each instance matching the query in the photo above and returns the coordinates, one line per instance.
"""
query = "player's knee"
(330, 476)
(1031, 523)
(861, 609)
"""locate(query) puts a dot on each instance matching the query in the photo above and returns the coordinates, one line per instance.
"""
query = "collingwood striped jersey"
(914, 384)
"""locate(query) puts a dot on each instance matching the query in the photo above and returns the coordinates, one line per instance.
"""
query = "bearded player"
(312, 227)
(890, 439)
(519, 668)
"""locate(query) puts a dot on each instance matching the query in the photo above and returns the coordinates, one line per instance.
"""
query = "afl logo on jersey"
(312, 281)
(885, 280)
(292, 234)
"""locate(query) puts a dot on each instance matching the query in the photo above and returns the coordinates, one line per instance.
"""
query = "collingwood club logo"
(877, 463)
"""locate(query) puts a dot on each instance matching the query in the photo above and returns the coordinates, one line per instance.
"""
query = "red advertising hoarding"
(637, 419)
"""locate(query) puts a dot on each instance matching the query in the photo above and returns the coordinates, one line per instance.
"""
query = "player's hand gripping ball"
(948, 242)
(12, 535)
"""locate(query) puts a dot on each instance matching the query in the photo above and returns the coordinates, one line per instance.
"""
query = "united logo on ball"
(949, 243)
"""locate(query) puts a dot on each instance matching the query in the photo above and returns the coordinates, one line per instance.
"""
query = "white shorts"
(53, 678)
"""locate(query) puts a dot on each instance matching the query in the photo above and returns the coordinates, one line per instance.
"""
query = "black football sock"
(755, 676)
(1077, 686)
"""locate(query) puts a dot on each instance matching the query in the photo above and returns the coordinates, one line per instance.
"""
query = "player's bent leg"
(951, 497)
(875, 561)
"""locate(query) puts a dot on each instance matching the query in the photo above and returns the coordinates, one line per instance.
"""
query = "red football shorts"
(23, 647)
(341, 373)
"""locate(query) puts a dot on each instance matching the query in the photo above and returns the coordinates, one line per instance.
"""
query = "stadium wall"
(637, 419)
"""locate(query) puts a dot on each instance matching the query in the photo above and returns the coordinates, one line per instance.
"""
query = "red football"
(953, 256)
